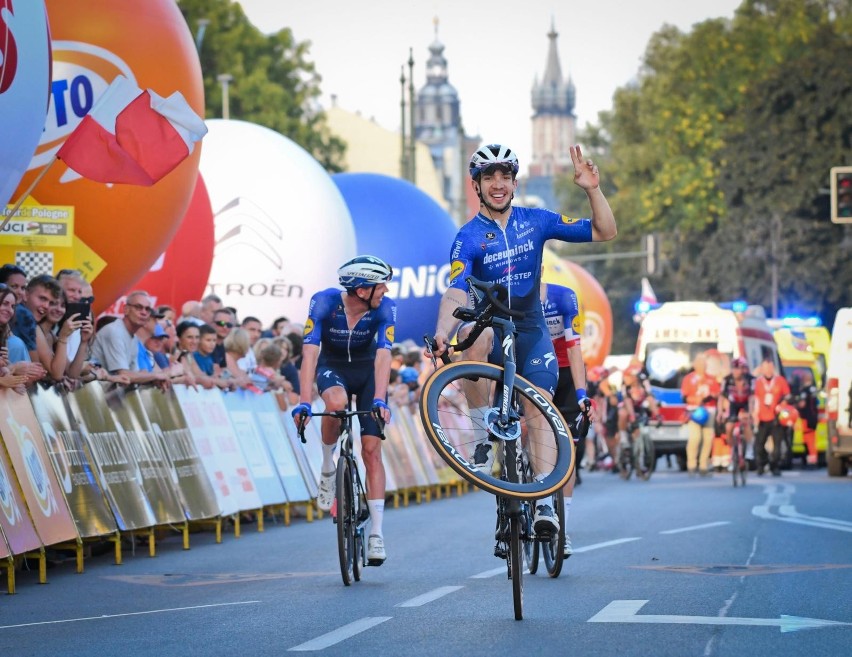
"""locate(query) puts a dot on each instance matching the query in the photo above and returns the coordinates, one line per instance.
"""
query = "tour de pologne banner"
(269, 420)
(158, 479)
(119, 472)
(76, 475)
(29, 460)
(169, 424)
(216, 442)
(253, 446)
(15, 521)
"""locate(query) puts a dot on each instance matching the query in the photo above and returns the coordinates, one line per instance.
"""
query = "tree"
(274, 82)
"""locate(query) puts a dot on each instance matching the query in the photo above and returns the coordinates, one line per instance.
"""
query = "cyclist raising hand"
(348, 337)
(504, 244)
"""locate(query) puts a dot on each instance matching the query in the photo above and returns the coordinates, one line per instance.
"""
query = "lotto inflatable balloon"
(24, 88)
(281, 227)
(114, 233)
(597, 320)
(555, 270)
(399, 223)
(181, 272)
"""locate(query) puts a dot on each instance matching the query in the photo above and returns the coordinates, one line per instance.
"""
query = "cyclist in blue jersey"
(347, 341)
(504, 244)
(562, 315)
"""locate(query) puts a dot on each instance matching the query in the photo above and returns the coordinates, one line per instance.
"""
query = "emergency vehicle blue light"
(739, 306)
(641, 307)
(791, 321)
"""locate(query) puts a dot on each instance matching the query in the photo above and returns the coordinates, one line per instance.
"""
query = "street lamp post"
(225, 79)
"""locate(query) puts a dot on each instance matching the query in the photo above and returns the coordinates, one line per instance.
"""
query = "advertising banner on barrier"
(169, 425)
(28, 456)
(309, 476)
(214, 438)
(158, 479)
(74, 471)
(254, 448)
(14, 520)
(417, 440)
(117, 467)
(269, 419)
(5, 551)
(400, 457)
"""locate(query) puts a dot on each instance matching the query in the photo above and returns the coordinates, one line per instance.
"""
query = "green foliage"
(728, 131)
(274, 85)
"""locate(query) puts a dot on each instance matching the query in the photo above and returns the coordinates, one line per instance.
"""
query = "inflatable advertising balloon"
(595, 311)
(281, 227)
(180, 274)
(597, 323)
(401, 224)
(24, 88)
(113, 233)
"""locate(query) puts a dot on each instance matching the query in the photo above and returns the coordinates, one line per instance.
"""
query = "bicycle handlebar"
(340, 415)
(495, 294)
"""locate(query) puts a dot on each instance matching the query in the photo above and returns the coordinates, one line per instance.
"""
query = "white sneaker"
(327, 488)
(567, 552)
(375, 550)
(545, 521)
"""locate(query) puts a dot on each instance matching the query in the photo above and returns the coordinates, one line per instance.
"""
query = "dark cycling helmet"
(364, 271)
(739, 362)
(492, 155)
(700, 416)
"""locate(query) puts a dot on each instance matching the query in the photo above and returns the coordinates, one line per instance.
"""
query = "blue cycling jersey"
(327, 326)
(512, 256)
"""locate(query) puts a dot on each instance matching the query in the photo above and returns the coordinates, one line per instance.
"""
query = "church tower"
(438, 125)
(553, 121)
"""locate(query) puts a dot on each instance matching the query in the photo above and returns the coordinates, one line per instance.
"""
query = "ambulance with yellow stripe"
(803, 346)
(672, 334)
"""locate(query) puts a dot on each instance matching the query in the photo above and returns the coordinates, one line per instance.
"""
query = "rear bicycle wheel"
(345, 521)
(445, 401)
(516, 564)
(553, 550)
(625, 461)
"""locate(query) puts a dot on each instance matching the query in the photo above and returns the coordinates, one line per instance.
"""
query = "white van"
(839, 392)
(672, 335)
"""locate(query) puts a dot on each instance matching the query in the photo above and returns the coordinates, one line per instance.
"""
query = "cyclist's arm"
(310, 356)
(603, 221)
(452, 299)
(382, 372)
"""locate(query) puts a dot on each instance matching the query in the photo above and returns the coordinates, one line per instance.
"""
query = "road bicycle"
(738, 461)
(639, 455)
(523, 426)
(349, 511)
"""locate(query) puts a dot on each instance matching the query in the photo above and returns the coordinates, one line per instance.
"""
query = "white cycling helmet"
(492, 155)
(364, 271)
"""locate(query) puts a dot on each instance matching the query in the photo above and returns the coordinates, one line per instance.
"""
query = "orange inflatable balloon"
(113, 233)
(597, 320)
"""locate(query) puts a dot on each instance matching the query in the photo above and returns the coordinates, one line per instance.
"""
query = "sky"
(494, 49)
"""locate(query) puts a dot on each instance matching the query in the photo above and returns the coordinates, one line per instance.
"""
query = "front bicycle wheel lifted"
(454, 431)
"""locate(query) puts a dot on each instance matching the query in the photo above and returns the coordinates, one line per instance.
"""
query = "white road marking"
(340, 634)
(625, 611)
(421, 600)
(704, 526)
(598, 546)
(132, 613)
(489, 573)
(781, 497)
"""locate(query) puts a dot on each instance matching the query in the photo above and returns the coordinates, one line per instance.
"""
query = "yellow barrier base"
(9, 565)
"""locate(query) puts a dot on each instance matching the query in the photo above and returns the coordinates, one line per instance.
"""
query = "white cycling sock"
(567, 508)
(377, 512)
(327, 460)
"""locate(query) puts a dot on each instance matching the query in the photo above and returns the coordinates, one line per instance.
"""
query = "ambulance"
(803, 346)
(839, 396)
(674, 333)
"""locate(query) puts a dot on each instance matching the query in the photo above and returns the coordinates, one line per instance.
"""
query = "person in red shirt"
(700, 391)
(769, 389)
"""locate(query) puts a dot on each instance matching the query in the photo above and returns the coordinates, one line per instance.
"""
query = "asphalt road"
(673, 566)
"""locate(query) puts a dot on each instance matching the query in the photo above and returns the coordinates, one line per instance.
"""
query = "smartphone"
(76, 308)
